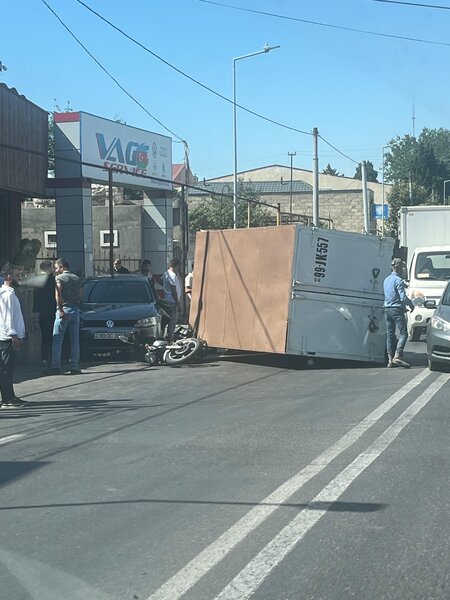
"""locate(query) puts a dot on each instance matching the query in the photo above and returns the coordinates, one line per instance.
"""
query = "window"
(104, 238)
(117, 291)
(50, 239)
(433, 265)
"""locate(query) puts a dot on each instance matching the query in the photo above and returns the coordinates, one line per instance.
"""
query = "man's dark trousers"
(7, 363)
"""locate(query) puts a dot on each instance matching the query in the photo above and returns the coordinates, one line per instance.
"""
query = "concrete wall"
(144, 231)
(344, 208)
(127, 221)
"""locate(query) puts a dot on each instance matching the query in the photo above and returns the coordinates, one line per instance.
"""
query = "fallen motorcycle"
(183, 349)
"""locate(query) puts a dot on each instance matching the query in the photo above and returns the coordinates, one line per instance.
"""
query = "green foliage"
(370, 172)
(398, 197)
(216, 212)
(417, 168)
(51, 132)
(330, 171)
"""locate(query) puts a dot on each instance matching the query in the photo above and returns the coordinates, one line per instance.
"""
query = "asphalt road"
(250, 476)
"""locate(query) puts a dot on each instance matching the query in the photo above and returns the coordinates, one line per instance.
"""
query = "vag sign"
(138, 158)
(131, 157)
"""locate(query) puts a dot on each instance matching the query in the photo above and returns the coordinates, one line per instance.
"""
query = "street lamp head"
(268, 48)
(4, 68)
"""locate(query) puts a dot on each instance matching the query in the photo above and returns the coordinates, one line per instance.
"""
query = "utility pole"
(365, 202)
(414, 137)
(184, 221)
(315, 177)
(291, 155)
(111, 221)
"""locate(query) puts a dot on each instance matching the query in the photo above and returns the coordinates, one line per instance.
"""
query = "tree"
(330, 171)
(216, 212)
(51, 133)
(398, 197)
(370, 172)
(417, 168)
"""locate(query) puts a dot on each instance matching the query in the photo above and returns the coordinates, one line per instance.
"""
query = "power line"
(329, 25)
(418, 4)
(180, 72)
(146, 49)
(109, 74)
(176, 69)
(337, 150)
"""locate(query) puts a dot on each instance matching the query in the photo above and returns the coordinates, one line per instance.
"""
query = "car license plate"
(107, 336)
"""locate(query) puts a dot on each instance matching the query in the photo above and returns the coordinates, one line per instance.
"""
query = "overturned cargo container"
(292, 290)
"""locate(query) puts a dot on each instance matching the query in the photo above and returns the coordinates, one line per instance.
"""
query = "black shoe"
(52, 372)
(14, 403)
(75, 372)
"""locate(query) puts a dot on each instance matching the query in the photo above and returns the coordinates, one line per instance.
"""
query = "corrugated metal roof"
(259, 187)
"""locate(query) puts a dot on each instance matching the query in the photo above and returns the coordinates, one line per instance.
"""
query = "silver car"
(438, 333)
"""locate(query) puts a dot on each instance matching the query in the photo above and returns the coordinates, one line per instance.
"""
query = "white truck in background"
(425, 232)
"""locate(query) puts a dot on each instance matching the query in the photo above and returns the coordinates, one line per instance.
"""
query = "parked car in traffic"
(113, 307)
(438, 332)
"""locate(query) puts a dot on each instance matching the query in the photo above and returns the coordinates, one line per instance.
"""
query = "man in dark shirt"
(395, 303)
(68, 297)
(44, 304)
(118, 268)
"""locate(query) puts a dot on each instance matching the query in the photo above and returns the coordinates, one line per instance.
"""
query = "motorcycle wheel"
(183, 352)
(150, 358)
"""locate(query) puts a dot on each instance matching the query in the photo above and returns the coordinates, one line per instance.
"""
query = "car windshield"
(116, 291)
(433, 265)
(446, 296)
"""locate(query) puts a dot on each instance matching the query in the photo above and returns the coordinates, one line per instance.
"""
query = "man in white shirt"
(172, 294)
(188, 282)
(12, 332)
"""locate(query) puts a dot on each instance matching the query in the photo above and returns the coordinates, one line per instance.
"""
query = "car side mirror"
(430, 304)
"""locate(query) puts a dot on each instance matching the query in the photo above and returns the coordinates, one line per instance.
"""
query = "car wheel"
(432, 365)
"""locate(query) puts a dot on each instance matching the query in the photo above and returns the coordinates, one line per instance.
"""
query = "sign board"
(133, 154)
(377, 211)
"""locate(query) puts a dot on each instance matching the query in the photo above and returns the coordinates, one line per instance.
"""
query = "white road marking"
(11, 438)
(252, 576)
(190, 574)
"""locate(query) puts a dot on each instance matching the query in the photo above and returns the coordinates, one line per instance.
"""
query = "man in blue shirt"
(395, 303)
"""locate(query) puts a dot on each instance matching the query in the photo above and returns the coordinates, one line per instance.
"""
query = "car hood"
(118, 312)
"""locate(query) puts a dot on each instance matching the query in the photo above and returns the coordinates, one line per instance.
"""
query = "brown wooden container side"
(242, 287)
(22, 125)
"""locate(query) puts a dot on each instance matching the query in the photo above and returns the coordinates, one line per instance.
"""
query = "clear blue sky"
(357, 89)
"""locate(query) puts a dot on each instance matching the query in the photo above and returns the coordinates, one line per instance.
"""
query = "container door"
(338, 262)
(336, 327)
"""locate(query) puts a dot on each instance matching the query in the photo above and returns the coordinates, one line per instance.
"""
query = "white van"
(428, 274)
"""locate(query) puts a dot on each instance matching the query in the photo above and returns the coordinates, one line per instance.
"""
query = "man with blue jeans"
(172, 294)
(67, 318)
(395, 303)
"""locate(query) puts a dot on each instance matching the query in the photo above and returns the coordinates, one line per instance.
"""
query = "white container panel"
(339, 262)
(424, 226)
(336, 327)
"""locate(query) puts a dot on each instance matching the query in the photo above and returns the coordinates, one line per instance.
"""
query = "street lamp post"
(291, 155)
(382, 186)
(446, 181)
(266, 49)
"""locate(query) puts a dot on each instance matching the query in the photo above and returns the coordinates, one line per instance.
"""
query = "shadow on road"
(360, 507)
(302, 363)
(14, 469)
